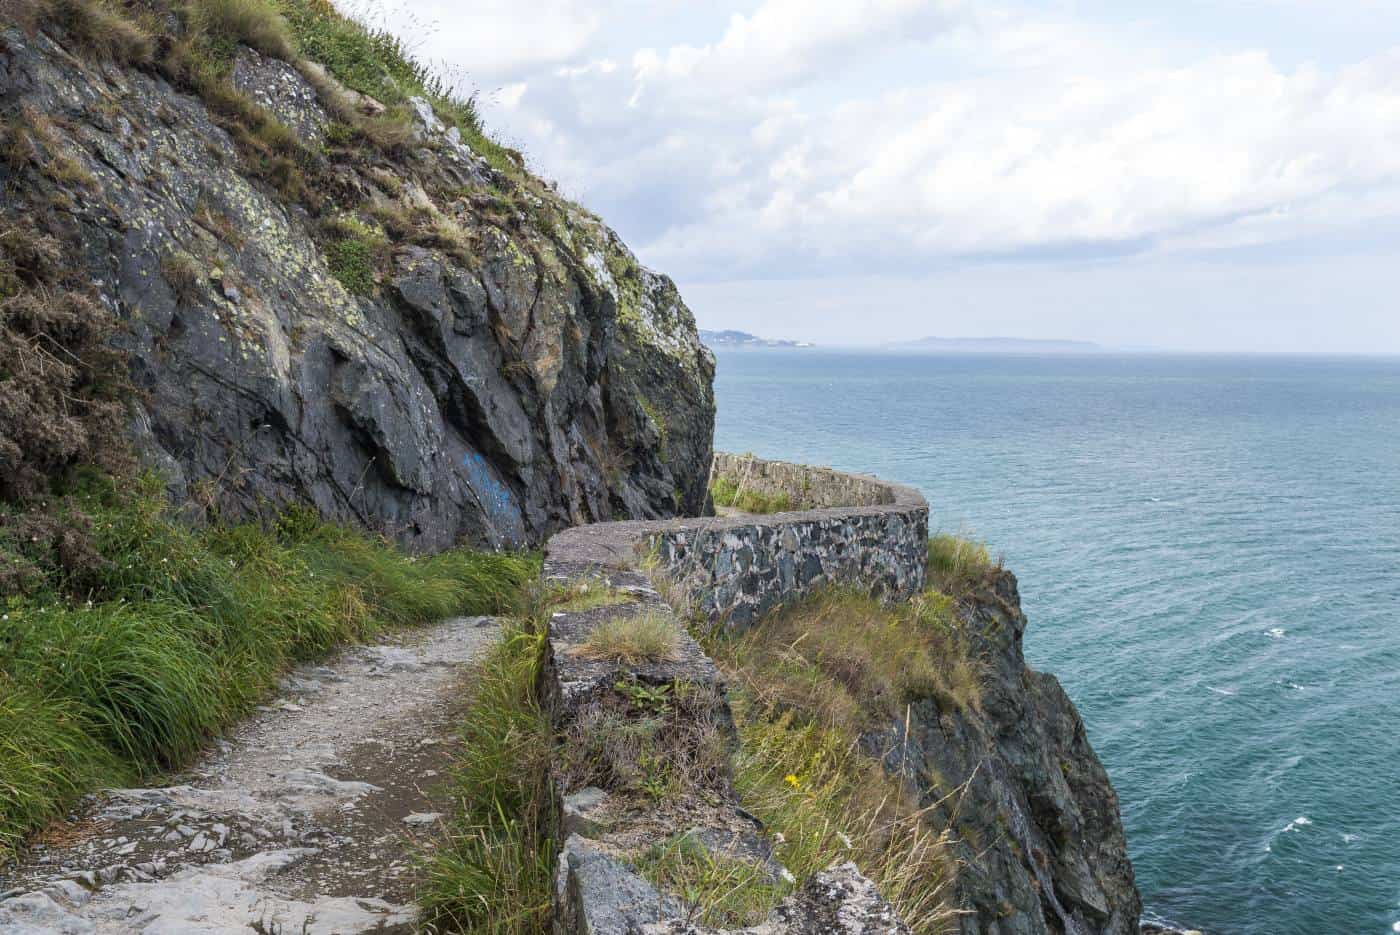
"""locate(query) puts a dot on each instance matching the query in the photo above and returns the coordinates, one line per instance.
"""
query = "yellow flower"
(791, 780)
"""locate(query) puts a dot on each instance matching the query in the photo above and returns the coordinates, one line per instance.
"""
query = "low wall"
(733, 569)
(806, 487)
(852, 530)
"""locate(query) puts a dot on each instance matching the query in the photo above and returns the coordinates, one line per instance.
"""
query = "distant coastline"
(742, 339)
(998, 346)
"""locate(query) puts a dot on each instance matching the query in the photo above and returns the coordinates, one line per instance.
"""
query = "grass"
(830, 802)
(254, 23)
(587, 594)
(723, 891)
(129, 640)
(808, 686)
(848, 661)
(182, 272)
(492, 873)
(376, 63)
(648, 741)
(649, 636)
(728, 492)
(957, 564)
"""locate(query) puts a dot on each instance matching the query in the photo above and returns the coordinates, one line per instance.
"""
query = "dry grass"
(958, 565)
(183, 274)
(809, 684)
(649, 636)
(253, 22)
(846, 660)
(655, 740)
(829, 802)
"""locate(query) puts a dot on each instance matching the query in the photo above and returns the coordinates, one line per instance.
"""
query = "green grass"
(957, 564)
(648, 636)
(492, 872)
(375, 62)
(721, 890)
(727, 492)
(830, 802)
(131, 639)
(351, 260)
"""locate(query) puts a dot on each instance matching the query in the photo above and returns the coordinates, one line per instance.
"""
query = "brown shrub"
(48, 539)
(59, 390)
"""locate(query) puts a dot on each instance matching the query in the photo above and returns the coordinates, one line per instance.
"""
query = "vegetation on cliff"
(808, 687)
(129, 639)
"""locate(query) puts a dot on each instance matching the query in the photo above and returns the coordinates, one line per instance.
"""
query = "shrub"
(652, 740)
(60, 387)
(352, 262)
(649, 636)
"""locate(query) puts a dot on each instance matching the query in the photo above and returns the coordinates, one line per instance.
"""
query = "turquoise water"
(1209, 554)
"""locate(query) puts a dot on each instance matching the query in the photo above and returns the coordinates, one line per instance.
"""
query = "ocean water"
(1209, 555)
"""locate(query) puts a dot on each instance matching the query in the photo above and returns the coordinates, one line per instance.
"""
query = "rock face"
(1041, 839)
(504, 370)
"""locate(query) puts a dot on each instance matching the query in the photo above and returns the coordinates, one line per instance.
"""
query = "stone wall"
(733, 569)
(805, 486)
(852, 530)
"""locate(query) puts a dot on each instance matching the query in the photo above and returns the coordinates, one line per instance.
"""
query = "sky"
(1194, 175)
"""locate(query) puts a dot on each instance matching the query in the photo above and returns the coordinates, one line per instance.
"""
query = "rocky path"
(301, 821)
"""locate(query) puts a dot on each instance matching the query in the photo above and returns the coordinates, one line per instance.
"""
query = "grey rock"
(492, 396)
(582, 812)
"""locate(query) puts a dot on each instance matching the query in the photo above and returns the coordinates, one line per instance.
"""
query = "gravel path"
(300, 821)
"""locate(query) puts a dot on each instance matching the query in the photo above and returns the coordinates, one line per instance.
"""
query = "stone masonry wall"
(805, 486)
(864, 533)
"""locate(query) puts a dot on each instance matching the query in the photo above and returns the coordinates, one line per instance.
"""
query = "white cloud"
(833, 138)
(489, 40)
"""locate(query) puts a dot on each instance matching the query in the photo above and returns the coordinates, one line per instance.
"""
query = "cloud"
(785, 41)
(491, 41)
(800, 139)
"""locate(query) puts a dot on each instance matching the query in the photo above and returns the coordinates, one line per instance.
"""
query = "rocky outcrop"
(422, 345)
(1040, 837)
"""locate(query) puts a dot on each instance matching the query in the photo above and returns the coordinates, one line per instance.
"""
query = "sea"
(1208, 550)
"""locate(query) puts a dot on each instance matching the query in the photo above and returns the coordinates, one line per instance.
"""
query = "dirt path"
(301, 821)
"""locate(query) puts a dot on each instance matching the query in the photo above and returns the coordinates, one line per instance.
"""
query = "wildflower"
(792, 780)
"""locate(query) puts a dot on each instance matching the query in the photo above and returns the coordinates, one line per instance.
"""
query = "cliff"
(1038, 833)
(320, 296)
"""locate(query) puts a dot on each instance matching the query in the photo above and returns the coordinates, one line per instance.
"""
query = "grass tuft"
(255, 23)
(649, 636)
(727, 492)
(957, 565)
(721, 890)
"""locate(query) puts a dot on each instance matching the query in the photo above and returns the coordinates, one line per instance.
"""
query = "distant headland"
(728, 339)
